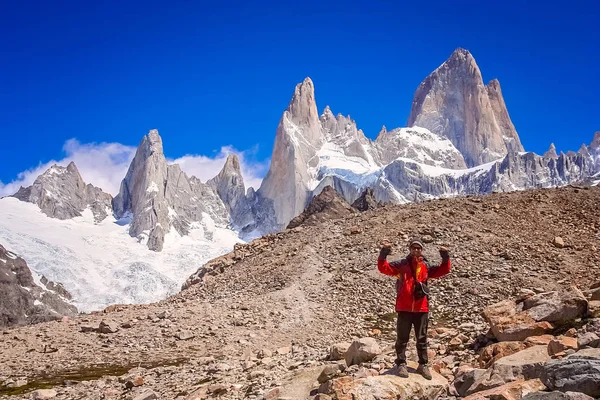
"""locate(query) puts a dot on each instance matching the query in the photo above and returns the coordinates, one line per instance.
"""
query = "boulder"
(588, 339)
(509, 325)
(557, 307)
(330, 371)
(594, 309)
(562, 344)
(509, 391)
(338, 351)
(44, 394)
(538, 340)
(465, 377)
(108, 327)
(556, 395)
(386, 387)
(495, 351)
(579, 372)
(362, 350)
(526, 364)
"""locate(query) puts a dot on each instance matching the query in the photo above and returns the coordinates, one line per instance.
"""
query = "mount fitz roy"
(459, 140)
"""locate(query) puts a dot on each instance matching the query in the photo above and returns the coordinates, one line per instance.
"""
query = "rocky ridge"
(61, 193)
(24, 301)
(270, 319)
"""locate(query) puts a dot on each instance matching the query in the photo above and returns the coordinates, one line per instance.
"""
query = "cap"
(417, 242)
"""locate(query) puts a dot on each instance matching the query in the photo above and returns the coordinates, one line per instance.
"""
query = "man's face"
(416, 251)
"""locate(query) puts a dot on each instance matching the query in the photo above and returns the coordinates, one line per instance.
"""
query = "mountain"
(288, 182)
(229, 186)
(158, 197)
(61, 193)
(163, 223)
(25, 301)
(454, 103)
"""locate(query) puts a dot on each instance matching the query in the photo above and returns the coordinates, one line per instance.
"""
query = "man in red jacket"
(412, 295)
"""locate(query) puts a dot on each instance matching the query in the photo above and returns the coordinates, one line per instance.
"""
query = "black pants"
(406, 320)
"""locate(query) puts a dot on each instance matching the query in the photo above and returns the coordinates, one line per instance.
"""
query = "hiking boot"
(401, 371)
(424, 371)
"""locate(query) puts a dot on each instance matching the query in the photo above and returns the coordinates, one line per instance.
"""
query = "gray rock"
(108, 327)
(576, 373)
(338, 351)
(44, 394)
(464, 381)
(184, 335)
(526, 364)
(21, 300)
(61, 193)
(330, 371)
(557, 307)
(588, 339)
(362, 350)
(556, 395)
(146, 395)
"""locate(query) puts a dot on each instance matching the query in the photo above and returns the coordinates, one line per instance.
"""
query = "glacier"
(100, 263)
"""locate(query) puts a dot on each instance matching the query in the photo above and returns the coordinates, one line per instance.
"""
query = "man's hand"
(444, 253)
(386, 249)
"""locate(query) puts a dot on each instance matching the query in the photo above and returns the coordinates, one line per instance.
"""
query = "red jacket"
(403, 270)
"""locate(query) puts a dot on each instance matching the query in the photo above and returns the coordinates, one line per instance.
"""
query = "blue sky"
(78, 78)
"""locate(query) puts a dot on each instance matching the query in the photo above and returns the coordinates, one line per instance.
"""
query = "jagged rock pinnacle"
(453, 102)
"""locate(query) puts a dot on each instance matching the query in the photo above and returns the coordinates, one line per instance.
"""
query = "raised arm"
(392, 269)
(442, 269)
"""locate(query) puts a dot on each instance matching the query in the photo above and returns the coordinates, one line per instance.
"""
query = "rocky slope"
(261, 321)
(454, 103)
(325, 206)
(158, 197)
(25, 302)
(61, 193)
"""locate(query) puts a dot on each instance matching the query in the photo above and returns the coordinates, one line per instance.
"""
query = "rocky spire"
(453, 101)
(157, 196)
(142, 192)
(507, 129)
(595, 145)
(61, 193)
(551, 152)
(229, 185)
(594, 149)
(297, 140)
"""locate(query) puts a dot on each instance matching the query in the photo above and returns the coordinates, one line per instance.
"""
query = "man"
(412, 304)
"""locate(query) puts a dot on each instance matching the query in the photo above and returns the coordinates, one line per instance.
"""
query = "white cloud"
(105, 164)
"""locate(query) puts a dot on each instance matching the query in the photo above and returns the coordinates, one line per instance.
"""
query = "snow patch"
(11, 255)
(37, 303)
(3, 260)
(152, 188)
(100, 263)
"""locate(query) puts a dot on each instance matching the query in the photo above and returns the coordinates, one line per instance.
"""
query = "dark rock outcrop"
(22, 301)
(326, 205)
